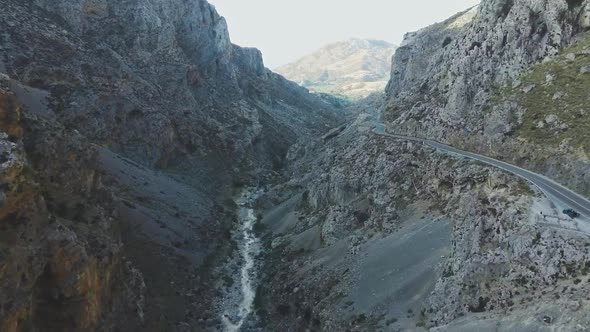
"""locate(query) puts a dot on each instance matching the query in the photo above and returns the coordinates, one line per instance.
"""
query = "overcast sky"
(285, 30)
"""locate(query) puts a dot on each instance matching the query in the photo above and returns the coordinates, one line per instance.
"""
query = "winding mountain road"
(561, 196)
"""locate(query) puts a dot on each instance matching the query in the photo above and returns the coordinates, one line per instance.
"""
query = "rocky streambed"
(240, 273)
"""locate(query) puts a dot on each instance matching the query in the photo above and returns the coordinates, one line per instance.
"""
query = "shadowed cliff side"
(61, 261)
(125, 128)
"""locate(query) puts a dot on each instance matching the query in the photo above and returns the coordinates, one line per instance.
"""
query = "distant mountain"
(353, 68)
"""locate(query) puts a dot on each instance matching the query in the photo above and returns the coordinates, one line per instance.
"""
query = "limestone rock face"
(140, 58)
(124, 127)
(54, 272)
(487, 79)
(355, 255)
(442, 75)
(504, 79)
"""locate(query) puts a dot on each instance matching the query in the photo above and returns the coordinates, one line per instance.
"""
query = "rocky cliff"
(125, 126)
(352, 69)
(377, 234)
(454, 64)
(455, 81)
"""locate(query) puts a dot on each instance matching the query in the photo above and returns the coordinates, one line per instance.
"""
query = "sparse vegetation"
(259, 299)
(228, 281)
(537, 239)
(359, 319)
(421, 322)
(522, 188)
(391, 321)
(556, 87)
(260, 228)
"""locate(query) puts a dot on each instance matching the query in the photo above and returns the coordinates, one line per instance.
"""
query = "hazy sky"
(285, 30)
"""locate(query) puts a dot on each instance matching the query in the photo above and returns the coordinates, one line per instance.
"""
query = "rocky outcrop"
(443, 75)
(375, 234)
(139, 59)
(511, 261)
(466, 81)
(125, 127)
(56, 271)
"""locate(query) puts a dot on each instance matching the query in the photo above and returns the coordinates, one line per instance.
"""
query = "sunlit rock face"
(486, 80)
(506, 79)
(352, 69)
(451, 67)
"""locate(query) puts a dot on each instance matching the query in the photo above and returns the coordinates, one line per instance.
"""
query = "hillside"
(371, 233)
(353, 68)
(126, 127)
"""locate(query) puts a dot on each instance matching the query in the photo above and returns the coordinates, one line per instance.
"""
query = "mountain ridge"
(354, 68)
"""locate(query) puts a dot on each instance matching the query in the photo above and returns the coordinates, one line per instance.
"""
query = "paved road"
(560, 195)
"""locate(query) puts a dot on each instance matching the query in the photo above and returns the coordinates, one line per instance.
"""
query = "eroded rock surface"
(512, 261)
(383, 235)
(125, 126)
(468, 81)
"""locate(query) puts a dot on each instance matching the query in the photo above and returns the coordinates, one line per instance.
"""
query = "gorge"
(242, 299)
(156, 177)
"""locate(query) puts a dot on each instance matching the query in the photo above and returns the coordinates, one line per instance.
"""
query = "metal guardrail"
(549, 187)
